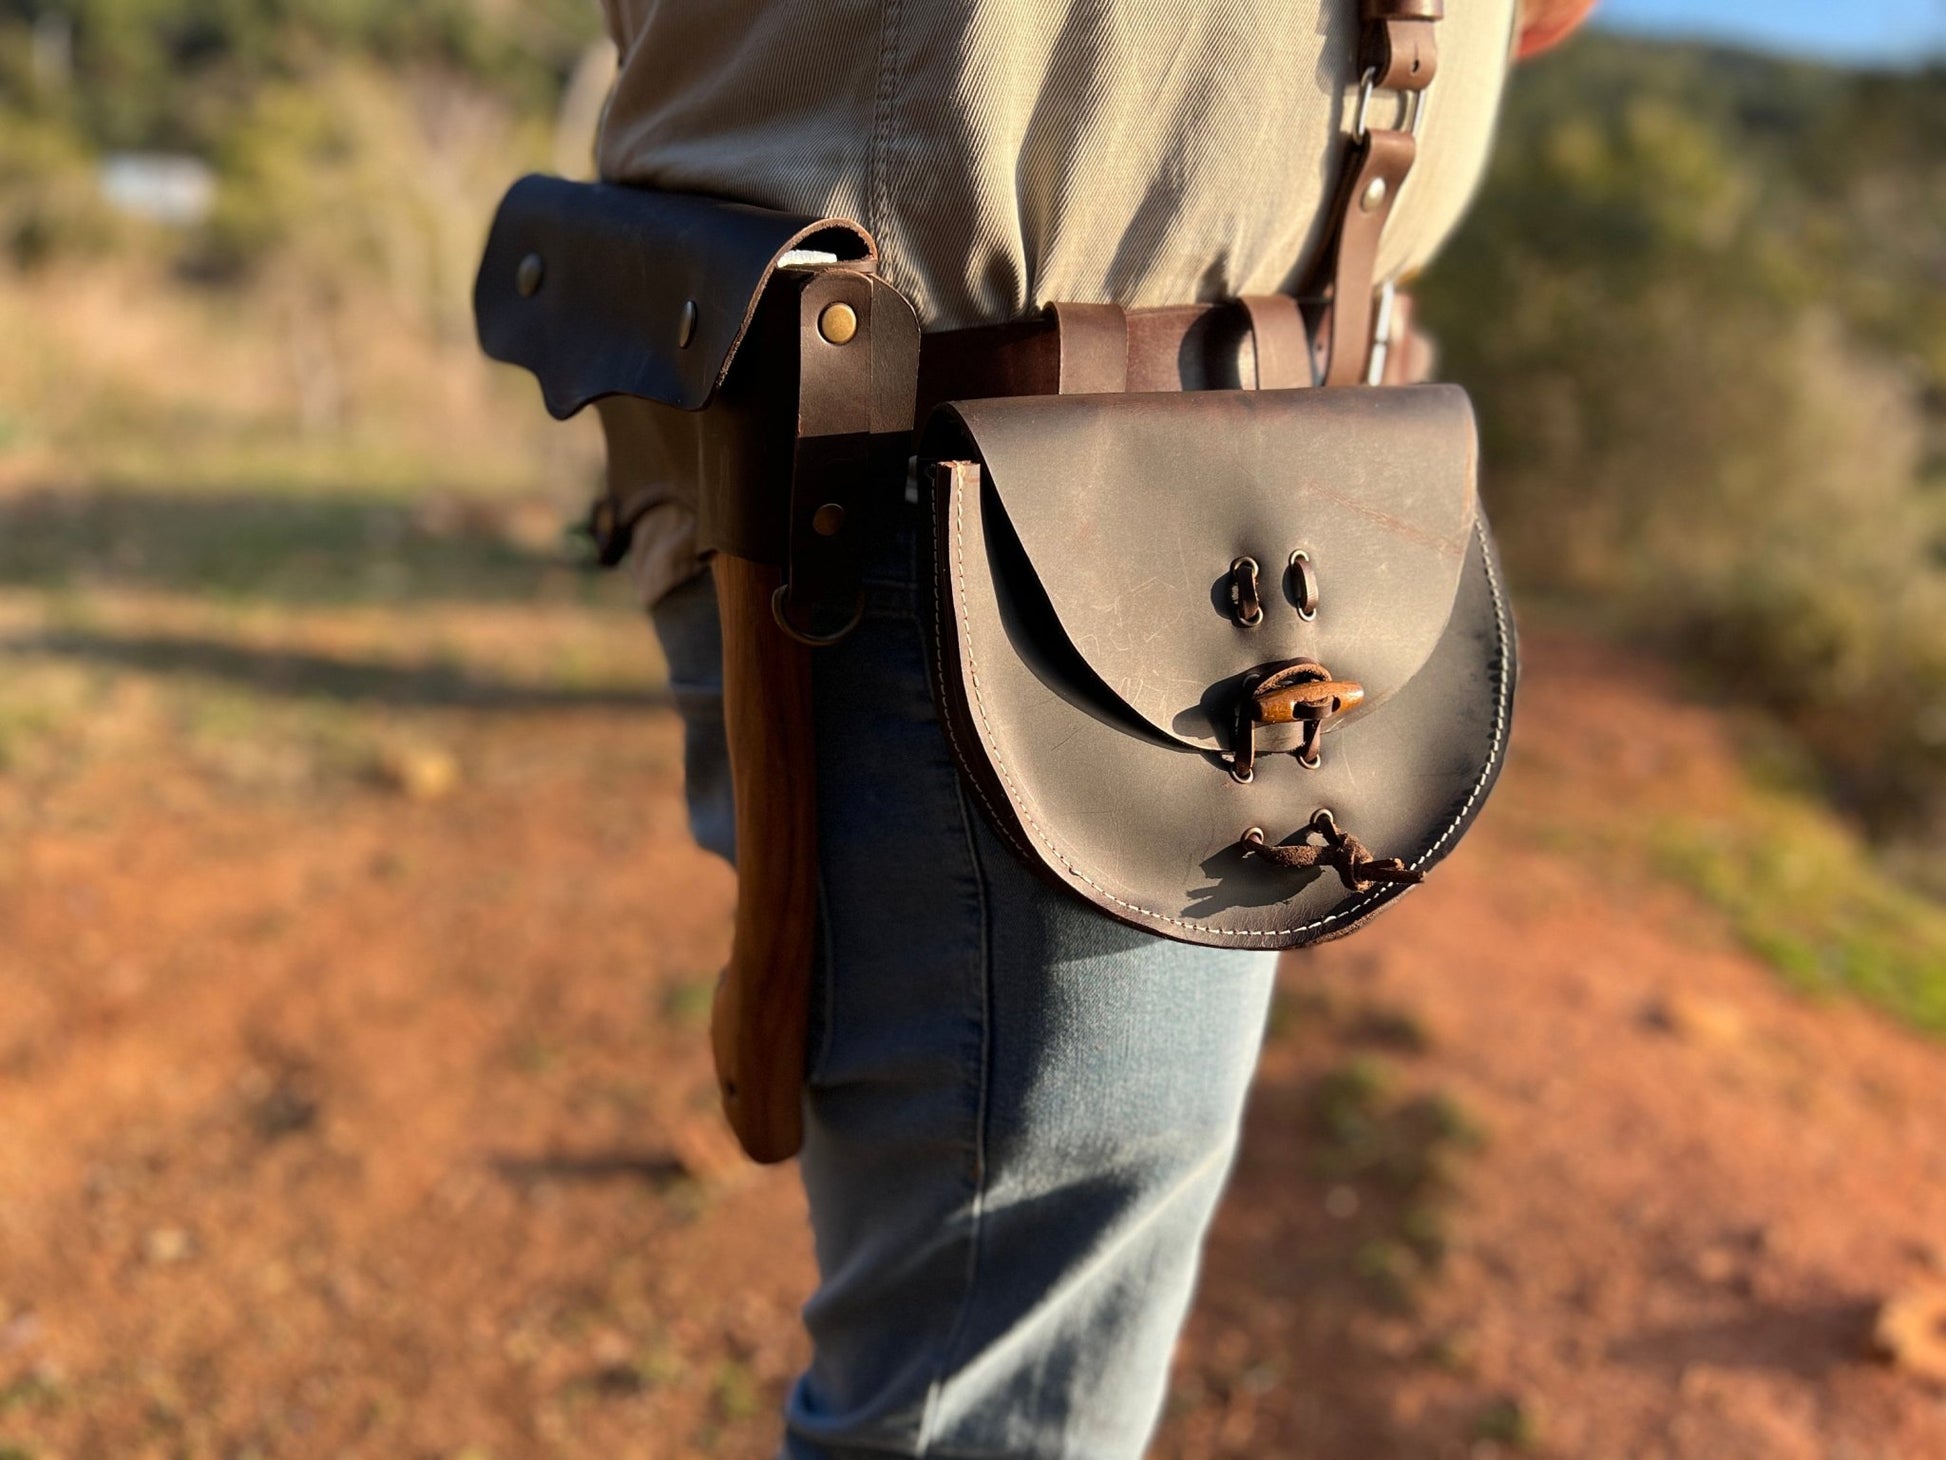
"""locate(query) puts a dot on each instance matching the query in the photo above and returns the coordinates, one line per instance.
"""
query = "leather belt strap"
(1074, 349)
(1092, 342)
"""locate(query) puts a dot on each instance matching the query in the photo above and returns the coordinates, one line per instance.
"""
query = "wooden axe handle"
(760, 1014)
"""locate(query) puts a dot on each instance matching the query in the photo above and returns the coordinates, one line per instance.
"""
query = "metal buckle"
(1388, 295)
(781, 605)
(1415, 103)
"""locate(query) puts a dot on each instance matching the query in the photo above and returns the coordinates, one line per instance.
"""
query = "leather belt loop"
(1094, 348)
(858, 351)
(1282, 342)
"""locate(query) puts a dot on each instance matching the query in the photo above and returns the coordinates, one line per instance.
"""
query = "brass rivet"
(686, 325)
(828, 519)
(1374, 194)
(838, 323)
(527, 278)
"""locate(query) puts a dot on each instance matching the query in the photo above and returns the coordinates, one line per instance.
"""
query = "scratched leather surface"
(1134, 507)
(1095, 765)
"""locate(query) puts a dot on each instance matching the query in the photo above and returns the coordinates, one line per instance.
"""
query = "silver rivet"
(1374, 195)
(686, 325)
(527, 278)
(828, 519)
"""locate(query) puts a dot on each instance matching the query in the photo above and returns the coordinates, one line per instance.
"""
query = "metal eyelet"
(1246, 604)
(1243, 758)
(1310, 754)
(1304, 585)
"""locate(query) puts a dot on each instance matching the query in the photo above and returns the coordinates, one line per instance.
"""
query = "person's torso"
(1007, 153)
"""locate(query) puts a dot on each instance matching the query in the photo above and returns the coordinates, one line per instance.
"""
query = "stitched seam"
(1371, 899)
(883, 103)
(935, 1392)
(945, 699)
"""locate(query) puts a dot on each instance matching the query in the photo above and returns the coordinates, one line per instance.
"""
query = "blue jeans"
(1019, 1113)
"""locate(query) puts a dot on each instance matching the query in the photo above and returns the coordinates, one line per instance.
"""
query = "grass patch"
(1396, 1158)
(1509, 1423)
(736, 1394)
(687, 1003)
(1803, 893)
(271, 545)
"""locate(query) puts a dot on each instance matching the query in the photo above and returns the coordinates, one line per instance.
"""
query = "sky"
(1865, 31)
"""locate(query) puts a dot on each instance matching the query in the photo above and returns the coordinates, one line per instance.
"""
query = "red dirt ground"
(365, 1126)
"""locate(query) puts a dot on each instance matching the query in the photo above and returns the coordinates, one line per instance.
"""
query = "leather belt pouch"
(1236, 666)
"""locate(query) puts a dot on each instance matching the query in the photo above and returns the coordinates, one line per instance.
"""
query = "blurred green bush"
(180, 74)
(1702, 308)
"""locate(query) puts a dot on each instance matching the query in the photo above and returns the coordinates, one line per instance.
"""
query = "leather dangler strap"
(1282, 342)
(858, 366)
(1398, 51)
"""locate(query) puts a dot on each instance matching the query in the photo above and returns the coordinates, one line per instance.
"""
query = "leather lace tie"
(1340, 850)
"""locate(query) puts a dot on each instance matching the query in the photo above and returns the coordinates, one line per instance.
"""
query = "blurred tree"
(1700, 307)
(173, 73)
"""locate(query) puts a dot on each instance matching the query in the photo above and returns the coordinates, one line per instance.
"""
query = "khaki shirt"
(1008, 153)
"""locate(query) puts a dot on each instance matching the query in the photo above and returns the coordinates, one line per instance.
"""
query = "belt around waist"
(1091, 348)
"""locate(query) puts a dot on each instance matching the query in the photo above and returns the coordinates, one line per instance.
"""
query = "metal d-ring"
(780, 610)
(1367, 88)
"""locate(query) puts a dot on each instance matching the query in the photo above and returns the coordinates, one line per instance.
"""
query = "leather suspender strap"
(1399, 44)
(1398, 51)
(1377, 167)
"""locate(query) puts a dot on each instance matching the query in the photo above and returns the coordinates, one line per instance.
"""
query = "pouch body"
(1093, 670)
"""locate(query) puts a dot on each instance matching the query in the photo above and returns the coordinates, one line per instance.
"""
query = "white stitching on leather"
(1502, 705)
(939, 671)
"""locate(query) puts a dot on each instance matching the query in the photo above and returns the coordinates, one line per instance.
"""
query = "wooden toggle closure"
(1299, 691)
(1315, 699)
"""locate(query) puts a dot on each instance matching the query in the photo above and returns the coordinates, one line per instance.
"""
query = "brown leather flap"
(603, 290)
(1129, 511)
